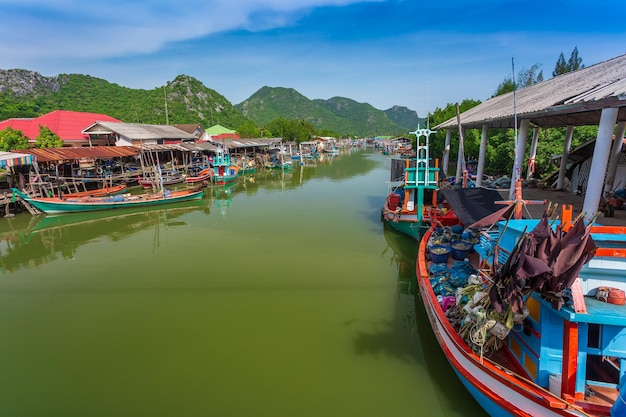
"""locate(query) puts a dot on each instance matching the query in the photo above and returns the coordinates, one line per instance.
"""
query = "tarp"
(472, 204)
(13, 159)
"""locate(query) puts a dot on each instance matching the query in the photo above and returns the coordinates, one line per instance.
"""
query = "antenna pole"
(516, 165)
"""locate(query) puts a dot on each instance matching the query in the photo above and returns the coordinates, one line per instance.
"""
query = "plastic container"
(555, 384)
(439, 253)
(460, 250)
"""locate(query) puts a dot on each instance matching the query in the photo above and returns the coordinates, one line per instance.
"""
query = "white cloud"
(79, 29)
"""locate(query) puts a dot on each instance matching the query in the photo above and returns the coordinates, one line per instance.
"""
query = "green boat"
(407, 207)
(54, 205)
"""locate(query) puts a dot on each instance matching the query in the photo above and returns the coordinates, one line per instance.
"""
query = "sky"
(421, 54)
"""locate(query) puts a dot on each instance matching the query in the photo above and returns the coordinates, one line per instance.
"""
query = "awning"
(472, 204)
(12, 159)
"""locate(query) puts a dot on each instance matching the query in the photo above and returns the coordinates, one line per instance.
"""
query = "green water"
(280, 296)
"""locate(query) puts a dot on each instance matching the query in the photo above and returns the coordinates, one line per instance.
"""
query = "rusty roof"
(63, 154)
(575, 98)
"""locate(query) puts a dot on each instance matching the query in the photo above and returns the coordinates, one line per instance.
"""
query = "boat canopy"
(472, 204)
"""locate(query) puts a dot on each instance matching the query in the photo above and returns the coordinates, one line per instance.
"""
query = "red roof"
(68, 125)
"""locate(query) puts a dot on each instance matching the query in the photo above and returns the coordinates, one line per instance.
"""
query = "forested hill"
(338, 114)
(26, 93)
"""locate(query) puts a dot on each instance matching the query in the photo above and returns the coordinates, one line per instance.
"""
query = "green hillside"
(188, 100)
(341, 115)
(26, 93)
(405, 117)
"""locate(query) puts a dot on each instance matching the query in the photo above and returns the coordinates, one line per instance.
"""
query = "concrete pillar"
(520, 150)
(614, 157)
(560, 183)
(446, 152)
(599, 162)
(533, 154)
(480, 170)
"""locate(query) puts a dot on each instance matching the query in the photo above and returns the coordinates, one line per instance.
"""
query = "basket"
(460, 250)
(439, 253)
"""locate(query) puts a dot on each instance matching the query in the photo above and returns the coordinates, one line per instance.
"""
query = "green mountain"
(185, 100)
(405, 117)
(341, 115)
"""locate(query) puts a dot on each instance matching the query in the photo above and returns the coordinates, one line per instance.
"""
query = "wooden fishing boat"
(54, 205)
(407, 207)
(203, 175)
(537, 325)
(168, 179)
(99, 192)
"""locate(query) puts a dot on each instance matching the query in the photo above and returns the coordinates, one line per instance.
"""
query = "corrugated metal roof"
(135, 131)
(66, 124)
(250, 143)
(576, 98)
(63, 154)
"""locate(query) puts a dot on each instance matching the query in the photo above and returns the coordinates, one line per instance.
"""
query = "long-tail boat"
(53, 205)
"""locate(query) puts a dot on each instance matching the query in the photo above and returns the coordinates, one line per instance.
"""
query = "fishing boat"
(202, 175)
(54, 205)
(246, 165)
(99, 192)
(530, 312)
(414, 190)
(224, 171)
(166, 179)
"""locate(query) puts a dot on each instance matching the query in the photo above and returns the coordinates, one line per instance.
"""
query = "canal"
(282, 295)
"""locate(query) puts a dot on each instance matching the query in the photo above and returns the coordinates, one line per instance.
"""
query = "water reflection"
(391, 337)
(31, 241)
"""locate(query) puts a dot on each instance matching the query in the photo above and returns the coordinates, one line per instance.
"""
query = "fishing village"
(173, 269)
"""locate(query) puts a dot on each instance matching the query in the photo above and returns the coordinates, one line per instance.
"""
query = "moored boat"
(224, 171)
(407, 207)
(53, 205)
(163, 180)
(534, 324)
(203, 175)
(99, 192)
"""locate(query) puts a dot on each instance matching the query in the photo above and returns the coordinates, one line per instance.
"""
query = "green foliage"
(504, 87)
(471, 139)
(11, 139)
(561, 66)
(525, 77)
(404, 117)
(12, 107)
(47, 138)
(341, 115)
(249, 130)
(188, 102)
(575, 62)
(292, 130)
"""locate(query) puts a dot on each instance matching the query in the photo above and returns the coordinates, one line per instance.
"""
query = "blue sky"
(421, 54)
